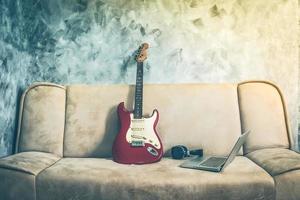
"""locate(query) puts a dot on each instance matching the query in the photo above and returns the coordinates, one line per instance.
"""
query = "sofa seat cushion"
(276, 160)
(93, 179)
(288, 185)
(16, 185)
(29, 162)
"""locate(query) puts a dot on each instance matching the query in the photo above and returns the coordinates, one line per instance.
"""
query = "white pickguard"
(142, 129)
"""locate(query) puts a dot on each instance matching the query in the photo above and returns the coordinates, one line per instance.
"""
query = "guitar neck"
(138, 103)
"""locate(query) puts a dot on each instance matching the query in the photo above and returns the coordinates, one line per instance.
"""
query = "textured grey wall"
(81, 41)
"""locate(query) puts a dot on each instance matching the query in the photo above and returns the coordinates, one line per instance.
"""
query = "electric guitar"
(137, 141)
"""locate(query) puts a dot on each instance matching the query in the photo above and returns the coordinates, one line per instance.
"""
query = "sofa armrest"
(276, 160)
(18, 174)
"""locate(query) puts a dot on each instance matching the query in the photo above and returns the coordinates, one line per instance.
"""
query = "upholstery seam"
(261, 168)
(240, 115)
(36, 176)
(35, 187)
(65, 122)
(290, 170)
(20, 121)
(287, 125)
(270, 147)
(275, 183)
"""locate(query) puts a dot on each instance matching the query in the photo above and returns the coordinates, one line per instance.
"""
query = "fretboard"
(138, 102)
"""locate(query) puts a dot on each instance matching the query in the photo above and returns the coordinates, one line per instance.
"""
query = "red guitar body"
(138, 131)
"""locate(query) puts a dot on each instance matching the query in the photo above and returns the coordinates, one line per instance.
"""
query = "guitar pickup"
(137, 143)
(138, 137)
(137, 129)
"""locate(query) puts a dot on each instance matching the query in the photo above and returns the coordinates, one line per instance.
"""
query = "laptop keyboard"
(213, 162)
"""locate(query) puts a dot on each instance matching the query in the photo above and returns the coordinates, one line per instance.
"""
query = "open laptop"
(215, 163)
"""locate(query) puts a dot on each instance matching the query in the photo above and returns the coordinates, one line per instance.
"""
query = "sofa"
(65, 135)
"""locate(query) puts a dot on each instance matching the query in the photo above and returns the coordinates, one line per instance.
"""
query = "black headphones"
(180, 152)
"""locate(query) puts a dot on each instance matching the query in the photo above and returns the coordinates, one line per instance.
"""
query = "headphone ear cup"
(178, 152)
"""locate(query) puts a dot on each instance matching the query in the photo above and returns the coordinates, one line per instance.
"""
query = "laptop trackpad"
(213, 162)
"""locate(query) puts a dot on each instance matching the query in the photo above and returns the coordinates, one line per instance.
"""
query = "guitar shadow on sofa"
(112, 126)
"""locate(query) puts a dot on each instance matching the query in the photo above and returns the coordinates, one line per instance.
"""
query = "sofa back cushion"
(42, 119)
(92, 120)
(196, 115)
(263, 112)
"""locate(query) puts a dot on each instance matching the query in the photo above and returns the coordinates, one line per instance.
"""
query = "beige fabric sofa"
(63, 147)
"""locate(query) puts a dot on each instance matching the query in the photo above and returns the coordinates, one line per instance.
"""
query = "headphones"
(180, 152)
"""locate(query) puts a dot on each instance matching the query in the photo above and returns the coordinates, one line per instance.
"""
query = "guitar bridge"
(137, 143)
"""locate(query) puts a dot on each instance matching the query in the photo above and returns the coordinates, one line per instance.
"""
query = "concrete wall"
(81, 41)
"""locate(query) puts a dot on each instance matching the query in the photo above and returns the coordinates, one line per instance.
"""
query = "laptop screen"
(236, 148)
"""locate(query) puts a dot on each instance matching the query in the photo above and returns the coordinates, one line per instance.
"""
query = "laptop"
(215, 163)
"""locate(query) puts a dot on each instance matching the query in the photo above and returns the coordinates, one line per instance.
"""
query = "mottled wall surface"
(81, 41)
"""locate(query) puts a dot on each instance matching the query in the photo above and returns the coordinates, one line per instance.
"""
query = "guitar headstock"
(141, 55)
